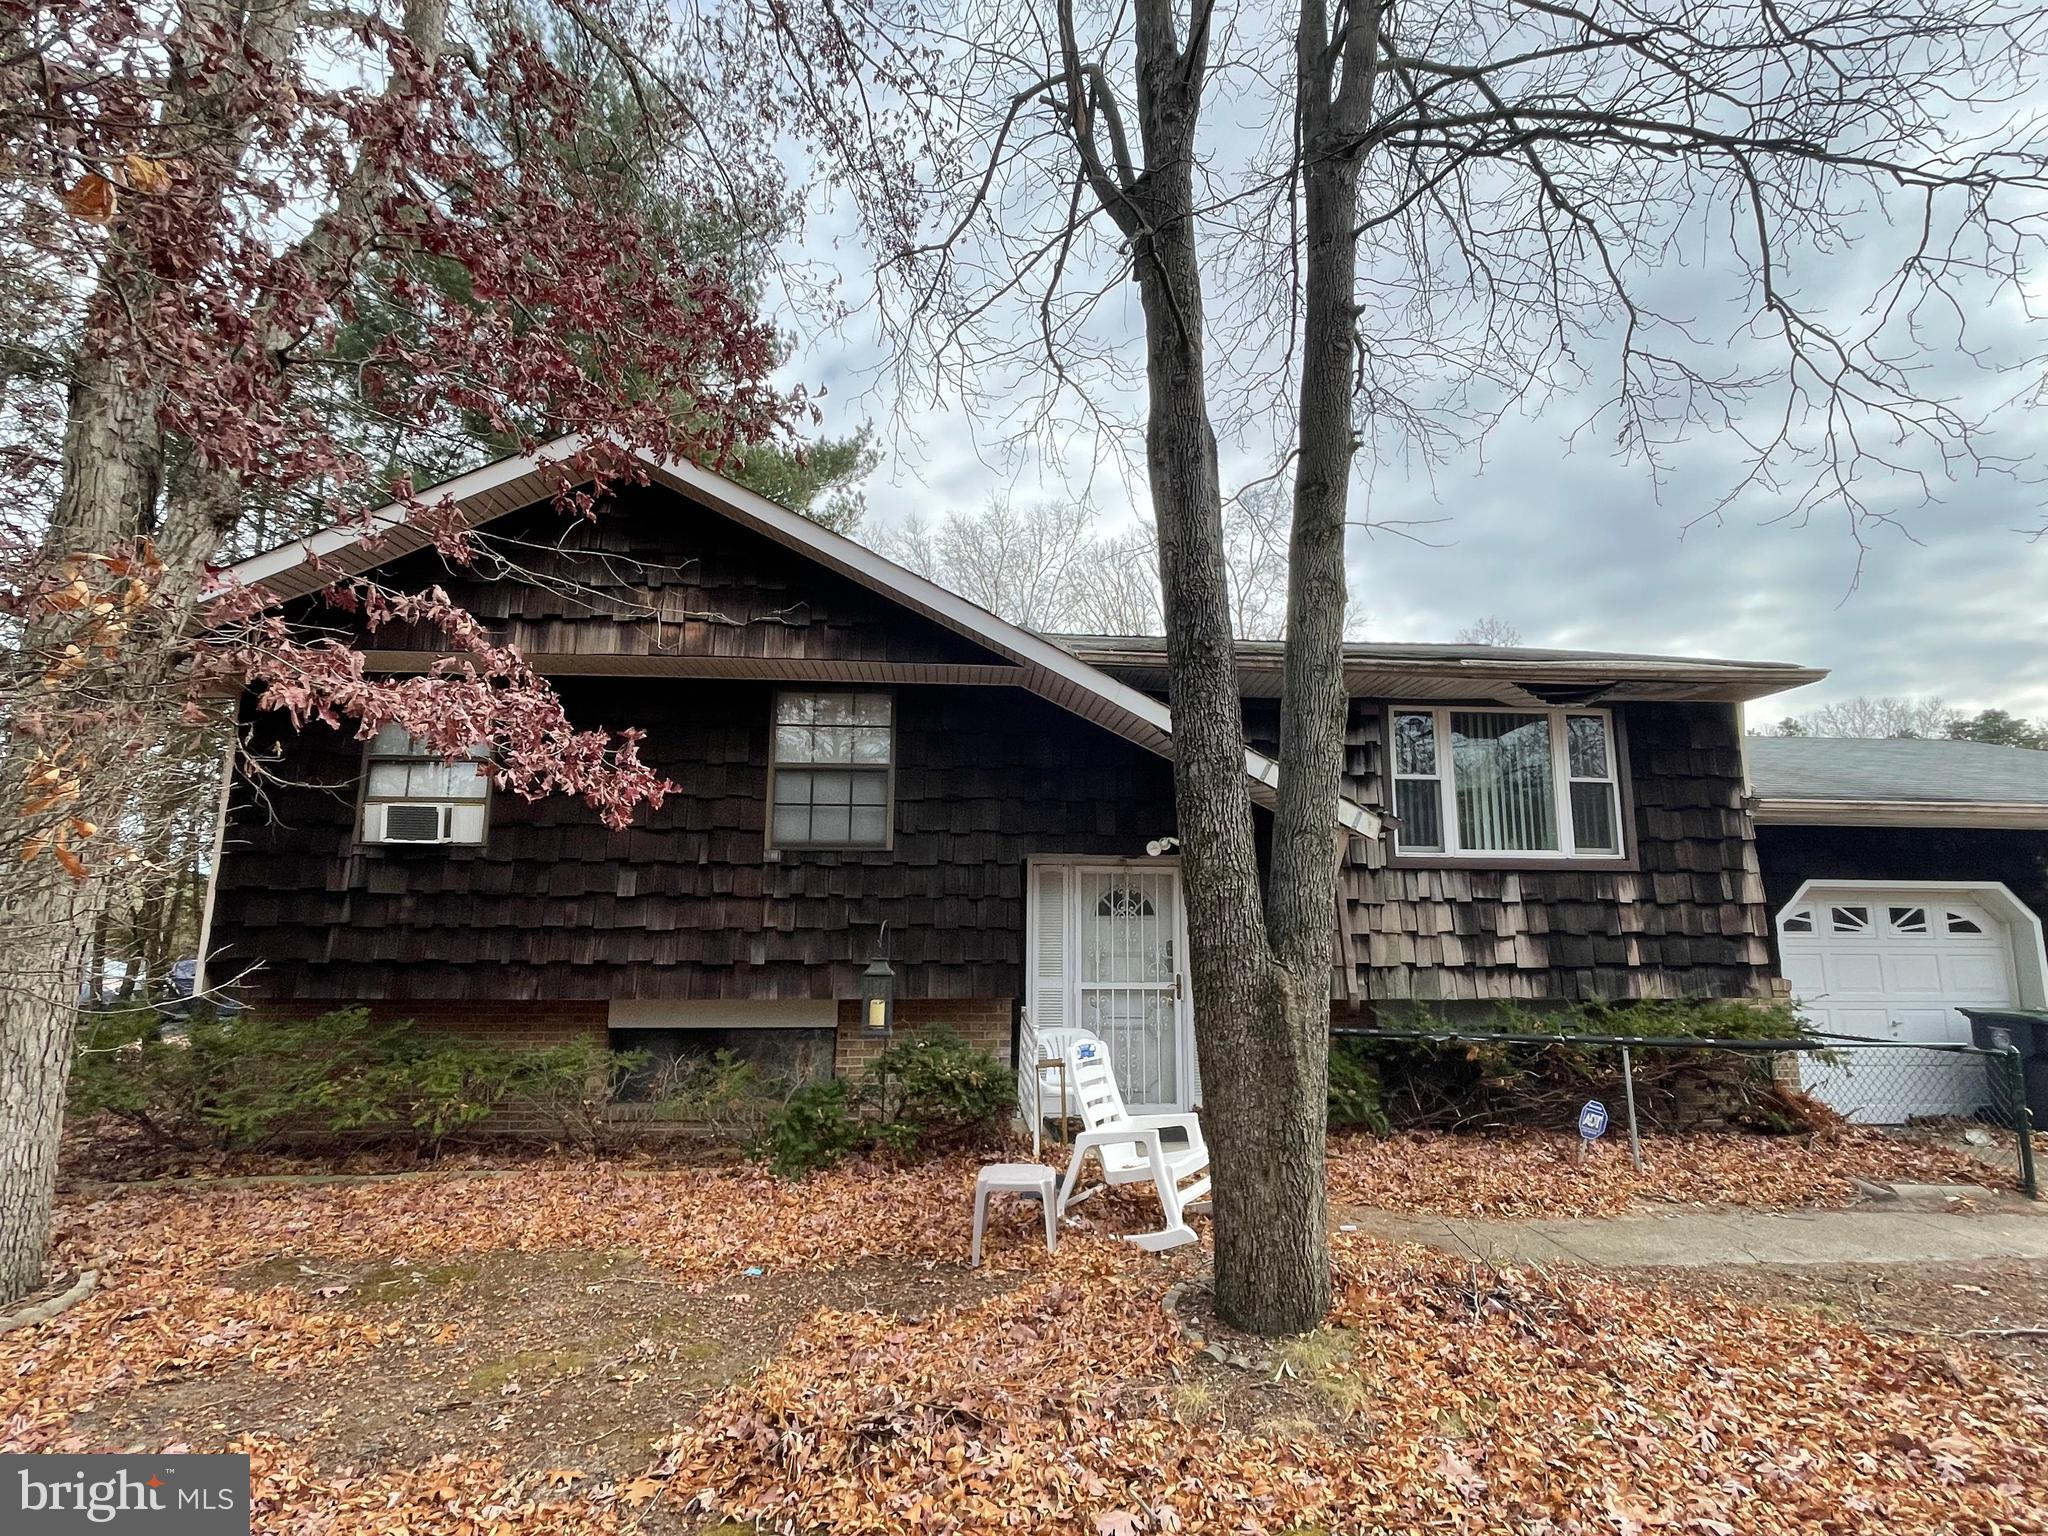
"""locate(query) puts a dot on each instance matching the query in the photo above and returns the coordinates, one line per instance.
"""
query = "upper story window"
(834, 754)
(1530, 783)
(414, 795)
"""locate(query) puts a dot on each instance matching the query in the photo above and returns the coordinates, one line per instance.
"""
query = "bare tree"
(1118, 589)
(1490, 631)
(1875, 717)
(1024, 562)
(1454, 211)
(1046, 566)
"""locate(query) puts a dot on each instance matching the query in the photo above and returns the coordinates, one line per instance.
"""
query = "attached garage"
(1899, 963)
(1907, 881)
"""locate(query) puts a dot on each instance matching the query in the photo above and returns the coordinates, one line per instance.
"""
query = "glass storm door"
(1108, 945)
(1130, 981)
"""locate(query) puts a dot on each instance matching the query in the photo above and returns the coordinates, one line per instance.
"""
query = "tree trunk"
(37, 1013)
(1262, 1088)
(111, 495)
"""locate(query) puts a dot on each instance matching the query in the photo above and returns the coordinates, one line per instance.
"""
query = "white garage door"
(1895, 965)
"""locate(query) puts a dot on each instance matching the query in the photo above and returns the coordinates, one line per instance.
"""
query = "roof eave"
(1706, 681)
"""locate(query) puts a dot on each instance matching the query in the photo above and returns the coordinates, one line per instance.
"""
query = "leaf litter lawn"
(586, 1351)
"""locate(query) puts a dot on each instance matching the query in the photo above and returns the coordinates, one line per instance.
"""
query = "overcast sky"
(1572, 549)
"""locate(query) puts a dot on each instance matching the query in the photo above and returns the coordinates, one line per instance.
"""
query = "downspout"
(220, 833)
(1742, 746)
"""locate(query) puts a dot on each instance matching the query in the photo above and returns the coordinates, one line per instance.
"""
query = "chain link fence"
(1969, 1093)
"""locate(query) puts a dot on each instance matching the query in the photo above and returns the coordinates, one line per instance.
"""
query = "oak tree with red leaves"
(205, 200)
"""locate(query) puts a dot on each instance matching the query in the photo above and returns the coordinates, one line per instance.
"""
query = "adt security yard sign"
(1593, 1120)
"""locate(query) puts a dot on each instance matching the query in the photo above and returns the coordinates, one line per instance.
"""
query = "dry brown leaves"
(447, 1496)
(1534, 1174)
(1483, 1402)
(161, 1311)
(1496, 1403)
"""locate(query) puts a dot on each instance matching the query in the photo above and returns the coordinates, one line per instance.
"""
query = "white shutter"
(1046, 939)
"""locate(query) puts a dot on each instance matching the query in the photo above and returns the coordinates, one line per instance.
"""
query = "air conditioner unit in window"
(415, 822)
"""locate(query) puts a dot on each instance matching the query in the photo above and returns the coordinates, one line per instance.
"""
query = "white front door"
(1108, 943)
(1895, 965)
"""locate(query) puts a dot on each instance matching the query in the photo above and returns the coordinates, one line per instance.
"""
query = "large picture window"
(414, 795)
(1525, 783)
(833, 757)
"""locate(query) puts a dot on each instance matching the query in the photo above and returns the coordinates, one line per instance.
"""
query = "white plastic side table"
(1015, 1179)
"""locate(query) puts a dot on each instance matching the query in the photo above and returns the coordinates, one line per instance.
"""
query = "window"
(414, 795)
(1532, 783)
(833, 756)
(1117, 902)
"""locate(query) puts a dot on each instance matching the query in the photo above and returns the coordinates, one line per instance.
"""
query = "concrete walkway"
(1879, 1233)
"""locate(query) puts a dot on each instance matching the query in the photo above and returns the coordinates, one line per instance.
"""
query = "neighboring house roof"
(304, 566)
(1849, 781)
(1499, 673)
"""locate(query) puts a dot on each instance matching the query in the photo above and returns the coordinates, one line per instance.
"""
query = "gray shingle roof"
(1852, 770)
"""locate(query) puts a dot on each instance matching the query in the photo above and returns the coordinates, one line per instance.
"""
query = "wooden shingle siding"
(654, 575)
(1685, 917)
(685, 903)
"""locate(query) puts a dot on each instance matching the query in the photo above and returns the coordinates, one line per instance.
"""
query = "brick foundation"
(987, 1022)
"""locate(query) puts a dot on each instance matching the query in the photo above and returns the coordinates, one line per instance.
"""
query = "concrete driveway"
(1923, 1230)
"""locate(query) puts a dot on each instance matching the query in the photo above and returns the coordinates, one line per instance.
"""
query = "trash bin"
(2027, 1029)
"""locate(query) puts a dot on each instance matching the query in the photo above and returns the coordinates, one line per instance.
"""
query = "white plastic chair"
(1130, 1147)
(1036, 1107)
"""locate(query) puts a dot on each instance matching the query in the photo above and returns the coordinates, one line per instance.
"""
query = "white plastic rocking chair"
(1130, 1147)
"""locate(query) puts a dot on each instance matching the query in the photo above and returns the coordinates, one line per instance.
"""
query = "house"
(866, 760)
(1906, 880)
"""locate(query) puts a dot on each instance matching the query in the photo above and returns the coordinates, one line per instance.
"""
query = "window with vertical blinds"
(1531, 783)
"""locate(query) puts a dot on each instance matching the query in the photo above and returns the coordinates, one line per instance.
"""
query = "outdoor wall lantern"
(878, 991)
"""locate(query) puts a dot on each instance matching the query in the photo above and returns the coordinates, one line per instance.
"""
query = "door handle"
(1176, 986)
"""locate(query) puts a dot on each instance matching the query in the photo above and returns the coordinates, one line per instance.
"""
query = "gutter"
(1782, 811)
(1748, 679)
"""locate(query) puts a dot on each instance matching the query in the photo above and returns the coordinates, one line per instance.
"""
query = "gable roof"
(1850, 781)
(304, 566)
(1508, 674)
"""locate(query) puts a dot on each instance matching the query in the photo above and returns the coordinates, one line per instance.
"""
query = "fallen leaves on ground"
(1492, 1402)
(1536, 1174)
(447, 1496)
(162, 1311)
(1463, 1398)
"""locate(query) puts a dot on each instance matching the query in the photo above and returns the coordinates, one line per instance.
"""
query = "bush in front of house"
(816, 1127)
(1468, 1084)
(247, 1082)
(1355, 1088)
(925, 1092)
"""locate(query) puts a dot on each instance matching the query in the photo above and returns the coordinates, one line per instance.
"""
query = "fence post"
(2022, 1115)
(1628, 1094)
